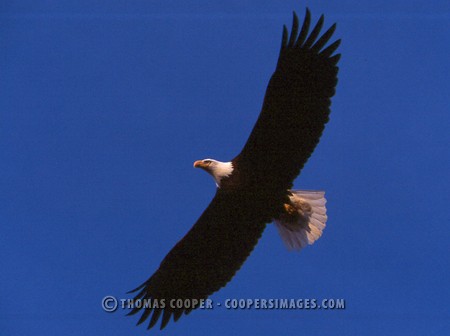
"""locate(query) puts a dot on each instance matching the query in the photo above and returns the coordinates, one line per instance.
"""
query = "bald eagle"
(254, 188)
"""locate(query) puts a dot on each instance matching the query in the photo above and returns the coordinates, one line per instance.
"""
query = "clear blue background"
(104, 107)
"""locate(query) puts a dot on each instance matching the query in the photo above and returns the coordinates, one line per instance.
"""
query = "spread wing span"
(295, 109)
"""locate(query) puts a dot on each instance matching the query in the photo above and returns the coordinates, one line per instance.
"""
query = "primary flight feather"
(253, 189)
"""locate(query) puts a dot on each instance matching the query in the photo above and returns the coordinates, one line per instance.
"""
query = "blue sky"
(104, 107)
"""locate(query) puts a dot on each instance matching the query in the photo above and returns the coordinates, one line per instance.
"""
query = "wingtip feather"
(144, 316)
(315, 32)
(177, 314)
(294, 30)
(307, 12)
(324, 39)
(155, 317)
(284, 37)
(137, 288)
(328, 51)
(305, 28)
(165, 319)
(335, 59)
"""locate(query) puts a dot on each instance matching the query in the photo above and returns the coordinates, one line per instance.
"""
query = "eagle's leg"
(290, 213)
(289, 208)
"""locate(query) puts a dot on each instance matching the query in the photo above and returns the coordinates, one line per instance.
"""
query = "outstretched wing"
(295, 110)
(207, 257)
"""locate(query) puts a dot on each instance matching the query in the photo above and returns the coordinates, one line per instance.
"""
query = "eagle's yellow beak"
(200, 164)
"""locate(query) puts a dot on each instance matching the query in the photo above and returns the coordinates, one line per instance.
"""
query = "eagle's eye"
(207, 161)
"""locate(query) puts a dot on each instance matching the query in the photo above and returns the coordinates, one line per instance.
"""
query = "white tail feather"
(311, 222)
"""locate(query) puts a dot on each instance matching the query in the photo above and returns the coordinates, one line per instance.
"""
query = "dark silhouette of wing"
(295, 110)
(208, 256)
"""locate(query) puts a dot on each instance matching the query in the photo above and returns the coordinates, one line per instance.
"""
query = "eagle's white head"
(217, 169)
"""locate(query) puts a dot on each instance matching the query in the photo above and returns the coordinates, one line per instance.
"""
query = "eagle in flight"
(254, 188)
